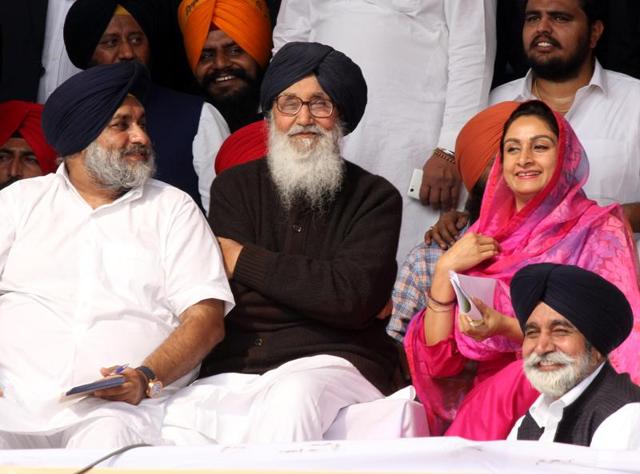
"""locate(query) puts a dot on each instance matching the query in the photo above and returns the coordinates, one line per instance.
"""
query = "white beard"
(557, 382)
(308, 169)
(110, 169)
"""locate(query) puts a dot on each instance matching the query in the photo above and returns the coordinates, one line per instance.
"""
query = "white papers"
(467, 287)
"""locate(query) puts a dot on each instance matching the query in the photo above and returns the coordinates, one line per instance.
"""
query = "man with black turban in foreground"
(572, 319)
(309, 243)
(101, 275)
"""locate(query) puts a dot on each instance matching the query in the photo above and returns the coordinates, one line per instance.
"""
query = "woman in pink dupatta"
(557, 224)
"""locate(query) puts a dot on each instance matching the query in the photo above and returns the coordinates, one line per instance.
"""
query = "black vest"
(608, 392)
(172, 123)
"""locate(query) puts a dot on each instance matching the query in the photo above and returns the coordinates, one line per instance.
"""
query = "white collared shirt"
(606, 118)
(212, 132)
(84, 288)
(620, 430)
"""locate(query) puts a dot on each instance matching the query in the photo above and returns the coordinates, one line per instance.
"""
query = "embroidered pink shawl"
(559, 225)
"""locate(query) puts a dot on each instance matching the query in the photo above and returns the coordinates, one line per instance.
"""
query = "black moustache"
(546, 38)
(236, 72)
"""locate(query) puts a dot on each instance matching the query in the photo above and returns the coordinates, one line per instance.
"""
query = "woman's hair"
(531, 108)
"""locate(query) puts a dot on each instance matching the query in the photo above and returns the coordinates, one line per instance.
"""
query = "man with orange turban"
(228, 44)
(476, 146)
(24, 152)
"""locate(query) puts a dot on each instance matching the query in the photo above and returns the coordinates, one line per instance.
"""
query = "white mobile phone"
(415, 183)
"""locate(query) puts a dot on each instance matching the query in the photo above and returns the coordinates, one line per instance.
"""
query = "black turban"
(87, 19)
(338, 75)
(596, 307)
(80, 108)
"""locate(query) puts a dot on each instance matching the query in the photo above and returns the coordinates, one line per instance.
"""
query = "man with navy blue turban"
(309, 243)
(572, 319)
(101, 277)
(186, 132)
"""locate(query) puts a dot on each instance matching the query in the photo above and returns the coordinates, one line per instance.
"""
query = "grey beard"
(303, 171)
(111, 170)
(558, 382)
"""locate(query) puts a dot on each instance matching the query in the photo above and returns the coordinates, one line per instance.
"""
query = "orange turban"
(479, 141)
(245, 21)
(245, 144)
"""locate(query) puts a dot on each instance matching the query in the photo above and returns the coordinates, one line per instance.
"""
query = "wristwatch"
(154, 386)
(445, 154)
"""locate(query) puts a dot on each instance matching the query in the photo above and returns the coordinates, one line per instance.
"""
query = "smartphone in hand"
(414, 184)
(102, 384)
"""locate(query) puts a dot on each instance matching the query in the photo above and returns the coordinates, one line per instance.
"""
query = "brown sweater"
(307, 283)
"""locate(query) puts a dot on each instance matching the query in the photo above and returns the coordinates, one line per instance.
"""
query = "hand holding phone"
(102, 384)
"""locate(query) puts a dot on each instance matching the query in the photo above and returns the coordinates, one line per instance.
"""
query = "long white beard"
(556, 383)
(308, 169)
(111, 170)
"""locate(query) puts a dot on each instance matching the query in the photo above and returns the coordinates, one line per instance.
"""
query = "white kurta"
(428, 66)
(84, 288)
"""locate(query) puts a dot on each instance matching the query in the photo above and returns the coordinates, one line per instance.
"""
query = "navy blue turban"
(338, 75)
(80, 108)
(87, 19)
(596, 307)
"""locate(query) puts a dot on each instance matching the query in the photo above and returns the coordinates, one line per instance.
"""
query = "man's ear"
(597, 28)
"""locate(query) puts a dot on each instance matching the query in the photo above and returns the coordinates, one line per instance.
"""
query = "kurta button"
(297, 228)
(258, 342)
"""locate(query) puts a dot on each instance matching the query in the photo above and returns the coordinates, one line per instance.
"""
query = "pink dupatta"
(559, 225)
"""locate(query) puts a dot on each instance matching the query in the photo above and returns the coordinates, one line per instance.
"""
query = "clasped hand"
(446, 231)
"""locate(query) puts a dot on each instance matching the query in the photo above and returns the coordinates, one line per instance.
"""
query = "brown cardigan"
(305, 283)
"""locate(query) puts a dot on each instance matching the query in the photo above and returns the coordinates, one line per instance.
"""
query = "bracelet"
(446, 155)
(442, 309)
(440, 303)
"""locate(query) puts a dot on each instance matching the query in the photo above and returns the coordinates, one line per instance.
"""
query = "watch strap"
(446, 155)
(147, 372)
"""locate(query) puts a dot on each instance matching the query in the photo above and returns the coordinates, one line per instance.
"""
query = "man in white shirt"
(603, 107)
(186, 132)
(572, 319)
(103, 271)
(428, 66)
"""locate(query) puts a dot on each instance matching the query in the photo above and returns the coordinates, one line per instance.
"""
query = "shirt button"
(297, 228)
(258, 342)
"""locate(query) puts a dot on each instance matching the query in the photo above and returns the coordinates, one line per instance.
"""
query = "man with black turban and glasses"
(309, 243)
(101, 275)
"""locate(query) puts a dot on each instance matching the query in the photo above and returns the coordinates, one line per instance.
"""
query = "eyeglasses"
(291, 105)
